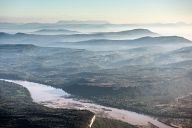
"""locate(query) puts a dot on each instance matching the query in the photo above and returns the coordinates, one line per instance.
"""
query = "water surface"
(57, 98)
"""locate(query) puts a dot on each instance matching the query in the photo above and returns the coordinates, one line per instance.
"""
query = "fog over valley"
(97, 74)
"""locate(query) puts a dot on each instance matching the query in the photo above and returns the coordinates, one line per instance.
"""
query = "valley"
(149, 75)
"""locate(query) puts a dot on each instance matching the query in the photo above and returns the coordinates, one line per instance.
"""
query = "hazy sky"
(116, 11)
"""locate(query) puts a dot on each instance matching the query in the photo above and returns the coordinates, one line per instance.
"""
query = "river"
(58, 98)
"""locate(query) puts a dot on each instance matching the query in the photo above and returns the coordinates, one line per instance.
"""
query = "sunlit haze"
(115, 11)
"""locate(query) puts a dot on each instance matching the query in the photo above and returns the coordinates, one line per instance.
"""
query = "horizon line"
(104, 22)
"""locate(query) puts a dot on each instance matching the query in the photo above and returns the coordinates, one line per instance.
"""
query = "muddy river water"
(58, 98)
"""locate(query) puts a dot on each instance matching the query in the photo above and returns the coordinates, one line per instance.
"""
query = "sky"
(114, 11)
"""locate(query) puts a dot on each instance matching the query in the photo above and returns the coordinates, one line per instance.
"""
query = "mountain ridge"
(56, 31)
(142, 39)
(132, 32)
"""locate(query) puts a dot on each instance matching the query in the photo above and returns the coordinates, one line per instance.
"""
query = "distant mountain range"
(82, 22)
(55, 32)
(143, 41)
(57, 25)
(69, 24)
(135, 33)
(140, 36)
(63, 35)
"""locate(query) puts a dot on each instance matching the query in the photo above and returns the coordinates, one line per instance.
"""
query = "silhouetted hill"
(143, 40)
(82, 22)
(55, 31)
(15, 46)
(62, 35)
(131, 32)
